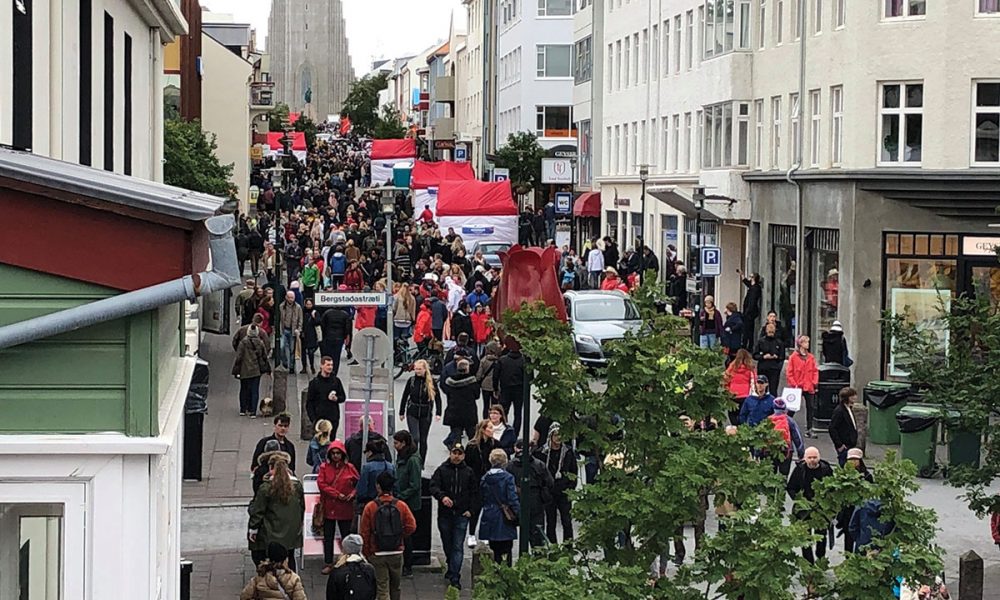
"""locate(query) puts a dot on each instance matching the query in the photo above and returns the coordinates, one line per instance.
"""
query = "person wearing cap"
(537, 495)
(560, 461)
(807, 472)
(274, 580)
(782, 422)
(612, 281)
(478, 295)
(856, 461)
(455, 486)
(843, 428)
(758, 405)
(353, 577)
(337, 482)
(835, 346)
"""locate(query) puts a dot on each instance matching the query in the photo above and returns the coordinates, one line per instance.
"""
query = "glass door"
(983, 280)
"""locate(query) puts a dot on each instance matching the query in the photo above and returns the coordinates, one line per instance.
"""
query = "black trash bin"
(195, 407)
(832, 378)
(186, 568)
(422, 536)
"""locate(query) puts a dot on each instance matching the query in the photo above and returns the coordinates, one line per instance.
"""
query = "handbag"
(509, 516)
(318, 518)
(262, 363)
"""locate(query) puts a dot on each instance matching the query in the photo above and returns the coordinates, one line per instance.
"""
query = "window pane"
(729, 14)
(707, 142)
(915, 95)
(558, 61)
(987, 141)
(890, 96)
(914, 133)
(742, 143)
(989, 6)
(890, 138)
(893, 8)
(744, 25)
(727, 135)
(720, 27)
(917, 7)
(988, 94)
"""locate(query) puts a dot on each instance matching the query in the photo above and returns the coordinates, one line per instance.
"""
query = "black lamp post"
(643, 177)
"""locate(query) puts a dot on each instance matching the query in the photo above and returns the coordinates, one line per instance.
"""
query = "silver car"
(598, 317)
(491, 252)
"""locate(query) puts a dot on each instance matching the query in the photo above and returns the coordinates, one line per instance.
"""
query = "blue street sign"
(461, 154)
(711, 261)
(564, 203)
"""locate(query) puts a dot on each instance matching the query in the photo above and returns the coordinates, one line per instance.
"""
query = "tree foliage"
(277, 117)
(661, 474)
(361, 104)
(389, 125)
(307, 126)
(961, 373)
(523, 155)
(190, 161)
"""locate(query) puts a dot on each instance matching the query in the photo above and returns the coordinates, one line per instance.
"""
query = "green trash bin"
(963, 445)
(884, 399)
(918, 436)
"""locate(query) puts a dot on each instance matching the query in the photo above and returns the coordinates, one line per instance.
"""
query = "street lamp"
(699, 203)
(388, 202)
(643, 177)
(572, 202)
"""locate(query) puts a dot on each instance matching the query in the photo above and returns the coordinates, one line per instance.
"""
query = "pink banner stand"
(355, 409)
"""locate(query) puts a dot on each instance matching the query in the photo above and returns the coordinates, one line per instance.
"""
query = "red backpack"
(780, 423)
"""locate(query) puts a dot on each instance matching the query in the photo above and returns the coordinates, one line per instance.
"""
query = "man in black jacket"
(537, 496)
(843, 428)
(355, 443)
(751, 307)
(677, 290)
(560, 461)
(769, 352)
(611, 255)
(324, 396)
(806, 473)
(508, 380)
(456, 488)
(336, 326)
(281, 423)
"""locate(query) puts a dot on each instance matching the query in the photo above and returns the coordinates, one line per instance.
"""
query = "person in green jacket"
(310, 278)
(276, 512)
(408, 485)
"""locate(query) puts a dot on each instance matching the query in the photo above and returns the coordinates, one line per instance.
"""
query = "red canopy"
(475, 198)
(382, 149)
(298, 140)
(431, 174)
(588, 205)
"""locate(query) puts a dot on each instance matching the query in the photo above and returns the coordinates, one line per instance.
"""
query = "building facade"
(470, 84)
(310, 58)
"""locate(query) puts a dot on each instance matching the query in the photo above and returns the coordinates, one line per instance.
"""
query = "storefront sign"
(477, 230)
(444, 144)
(620, 202)
(564, 203)
(557, 170)
(980, 246)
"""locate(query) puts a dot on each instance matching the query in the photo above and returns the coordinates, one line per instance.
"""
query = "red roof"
(382, 149)
(431, 174)
(298, 140)
(475, 198)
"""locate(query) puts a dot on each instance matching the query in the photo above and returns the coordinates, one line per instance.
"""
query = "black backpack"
(359, 582)
(388, 527)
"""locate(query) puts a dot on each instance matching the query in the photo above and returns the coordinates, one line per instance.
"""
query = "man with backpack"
(456, 488)
(790, 432)
(353, 578)
(385, 523)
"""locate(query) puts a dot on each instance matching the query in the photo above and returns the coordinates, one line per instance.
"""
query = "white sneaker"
(471, 541)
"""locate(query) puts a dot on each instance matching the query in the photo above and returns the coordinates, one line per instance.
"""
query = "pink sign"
(312, 541)
(354, 410)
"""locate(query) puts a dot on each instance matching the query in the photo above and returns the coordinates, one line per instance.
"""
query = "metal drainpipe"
(224, 275)
(790, 177)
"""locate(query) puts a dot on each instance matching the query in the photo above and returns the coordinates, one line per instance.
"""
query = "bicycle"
(405, 355)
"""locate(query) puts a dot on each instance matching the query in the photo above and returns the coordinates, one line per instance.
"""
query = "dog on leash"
(266, 407)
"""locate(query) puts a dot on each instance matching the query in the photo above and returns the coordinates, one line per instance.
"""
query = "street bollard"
(861, 421)
(305, 425)
(970, 576)
(186, 568)
(480, 553)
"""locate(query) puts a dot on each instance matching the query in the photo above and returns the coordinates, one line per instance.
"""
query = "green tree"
(361, 104)
(307, 126)
(661, 474)
(389, 125)
(277, 117)
(523, 155)
(190, 161)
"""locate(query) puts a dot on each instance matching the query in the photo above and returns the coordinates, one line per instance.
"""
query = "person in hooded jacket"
(461, 322)
(337, 483)
(439, 316)
(378, 461)
(409, 468)
(498, 492)
(803, 373)
(485, 376)
(249, 364)
(835, 346)
(461, 413)
(538, 493)
(560, 461)
(271, 447)
(856, 461)
(455, 486)
(482, 331)
(739, 379)
(274, 580)
(423, 331)
(732, 332)
(353, 577)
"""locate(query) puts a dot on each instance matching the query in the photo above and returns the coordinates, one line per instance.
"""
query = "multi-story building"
(893, 161)
(471, 85)
(588, 109)
(534, 70)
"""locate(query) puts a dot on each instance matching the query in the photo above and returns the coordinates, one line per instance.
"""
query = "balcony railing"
(262, 94)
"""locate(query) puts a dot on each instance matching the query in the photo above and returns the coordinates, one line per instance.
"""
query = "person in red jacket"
(337, 482)
(612, 281)
(739, 378)
(422, 331)
(481, 327)
(388, 561)
(354, 279)
(803, 373)
(364, 316)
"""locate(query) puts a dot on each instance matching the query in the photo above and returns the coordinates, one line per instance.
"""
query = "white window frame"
(817, 23)
(900, 112)
(635, 147)
(627, 60)
(641, 144)
(986, 13)
(666, 48)
(635, 58)
(758, 142)
(675, 136)
(701, 33)
(618, 65)
(696, 142)
(611, 67)
(797, 7)
(905, 13)
(540, 108)
(778, 22)
(655, 143)
(837, 125)
(978, 110)
(815, 127)
(795, 124)
(741, 134)
(744, 26)
(644, 57)
(654, 53)
(541, 51)
(762, 25)
(618, 150)
(543, 10)
(687, 166)
(776, 120)
(677, 43)
(839, 14)
(690, 40)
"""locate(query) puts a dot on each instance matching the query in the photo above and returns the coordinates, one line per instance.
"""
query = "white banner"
(422, 198)
(557, 170)
(382, 169)
(481, 229)
(350, 299)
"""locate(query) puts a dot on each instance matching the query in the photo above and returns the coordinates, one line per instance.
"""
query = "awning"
(588, 205)
(681, 199)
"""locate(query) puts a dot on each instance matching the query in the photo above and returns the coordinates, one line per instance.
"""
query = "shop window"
(668, 237)
(611, 223)
(824, 280)
(920, 288)
(783, 266)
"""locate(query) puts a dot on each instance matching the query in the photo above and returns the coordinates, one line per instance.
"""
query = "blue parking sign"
(711, 261)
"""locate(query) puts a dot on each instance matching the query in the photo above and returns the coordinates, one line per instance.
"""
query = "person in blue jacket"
(497, 491)
(377, 462)
(758, 405)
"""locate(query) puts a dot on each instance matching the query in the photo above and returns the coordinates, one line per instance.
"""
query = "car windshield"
(606, 309)
(493, 248)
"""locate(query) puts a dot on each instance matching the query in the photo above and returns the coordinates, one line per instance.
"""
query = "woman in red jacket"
(354, 279)
(481, 327)
(337, 481)
(803, 373)
(422, 331)
(739, 378)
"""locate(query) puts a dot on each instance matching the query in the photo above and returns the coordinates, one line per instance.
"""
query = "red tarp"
(382, 149)
(298, 140)
(293, 117)
(475, 198)
(431, 174)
